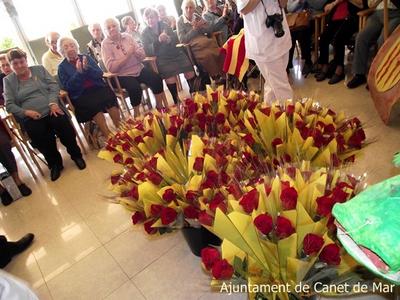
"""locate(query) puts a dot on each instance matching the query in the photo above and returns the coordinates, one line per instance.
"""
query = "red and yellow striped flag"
(235, 62)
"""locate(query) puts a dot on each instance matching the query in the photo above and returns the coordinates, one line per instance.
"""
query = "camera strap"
(265, 9)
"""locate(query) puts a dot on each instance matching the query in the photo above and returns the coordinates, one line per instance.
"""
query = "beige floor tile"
(10, 223)
(43, 293)
(110, 223)
(54, 255)
(25, 267)
(176, 275)
(129, 249)
(94, 277)
(128, 291)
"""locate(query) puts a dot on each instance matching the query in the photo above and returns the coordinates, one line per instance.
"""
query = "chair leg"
(23, 155)
(179, 83)
(87, 138)
(83, 148)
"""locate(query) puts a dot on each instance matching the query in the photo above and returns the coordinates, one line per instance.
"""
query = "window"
(97, 11)
(141, 5)
(8, 35)
(42, 16)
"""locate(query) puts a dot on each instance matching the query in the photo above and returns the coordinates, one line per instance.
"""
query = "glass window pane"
(8, 35)
(141, 5)
(42, 16)
(97, 11)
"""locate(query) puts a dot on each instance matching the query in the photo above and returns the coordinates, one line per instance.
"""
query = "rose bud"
(148, 228)
(169, 195)
(222, 270)
(249, 201)
(284, 227)
(330, 255)
(190, 212)
(312, 243)
(155, 178)
(205, 218)
(324, 206)
(198, 164)
(168, 215)
(209, 256)
(155, 210)
(138, 217)
(289, 198)
(264, 223)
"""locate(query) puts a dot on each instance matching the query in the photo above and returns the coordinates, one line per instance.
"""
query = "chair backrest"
(82, 35)
(38, 47)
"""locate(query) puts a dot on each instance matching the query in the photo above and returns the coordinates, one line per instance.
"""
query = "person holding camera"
(268, 41)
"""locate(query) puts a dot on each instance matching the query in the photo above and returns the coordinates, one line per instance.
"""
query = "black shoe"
(80, 163)
(21, 245)
(307, 69)
(356, 81)
(336, 78)
(25, 190)
(55, 172)
(321, 76)
(6, 198)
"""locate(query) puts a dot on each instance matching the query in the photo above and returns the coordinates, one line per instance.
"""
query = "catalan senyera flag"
(236, 62)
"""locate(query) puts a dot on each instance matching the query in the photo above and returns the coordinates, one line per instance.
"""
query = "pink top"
(115, 52)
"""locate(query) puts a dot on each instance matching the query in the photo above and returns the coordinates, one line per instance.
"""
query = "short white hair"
(111, 20)
(49, 35)
(186, 2)
(91, 26)
(61, 41)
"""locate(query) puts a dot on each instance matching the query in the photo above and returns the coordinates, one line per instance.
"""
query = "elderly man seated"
(51, 59)
(82, 78)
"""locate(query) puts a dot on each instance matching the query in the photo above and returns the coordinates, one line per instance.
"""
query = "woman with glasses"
(123, 56)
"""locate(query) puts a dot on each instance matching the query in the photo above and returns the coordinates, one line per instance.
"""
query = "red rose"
(168, 215)
(188, 128)
(205, 218)
(139, 139)
(357, 138)
(290, 109)
(289, 198)
(312, 243)
(249, 201)
(266, 111)
(138, 217)
(218, 201)
(151, 164)
(191, 212)
(155, 210)
(214, 96)
(198, 164)
(222, 270)
(278, 114)
(169, 195)
(126, 146)
(338, 195)
(330, 255)
(148, 133)
(318, 138)
(191, 107)
(284, 227)
(209, 256)
(148, 228)
(134, 192)
(115, 179)
(118, 159)
(235, 190)
(212, 176)
(248, 138)
(324, 206)
(191, 196)
(276, 142)
(264, 223)
(331, 224)
(252, 122)
(355, 122)
(129, 161)
(173, 131)
(252, 106)
(329, 129)
(220, 118)
(268, 189)
(141, 176)
(341, 142)
(155, 178)
(287, 158)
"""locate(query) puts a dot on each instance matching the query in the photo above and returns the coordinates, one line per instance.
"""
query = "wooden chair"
(90, 139)
(20, 141)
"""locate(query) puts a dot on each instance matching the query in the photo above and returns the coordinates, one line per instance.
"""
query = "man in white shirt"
(51, 59)
(11, 288)
(270, 52)
(372, 32)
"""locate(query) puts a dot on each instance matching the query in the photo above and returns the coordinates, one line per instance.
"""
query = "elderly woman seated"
(32, 95)
(130, 26)
(159, 40)
(218, 17)
(195, 31)
(82, 78)
(123, 56)
(162, 13)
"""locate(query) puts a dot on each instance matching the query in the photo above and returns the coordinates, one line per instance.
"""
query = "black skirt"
(92, 101)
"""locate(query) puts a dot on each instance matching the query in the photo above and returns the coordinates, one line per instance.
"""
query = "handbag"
(298, 20)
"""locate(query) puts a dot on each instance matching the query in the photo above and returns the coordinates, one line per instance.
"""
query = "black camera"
(275, 21)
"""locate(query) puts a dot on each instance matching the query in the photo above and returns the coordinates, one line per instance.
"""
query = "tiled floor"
(86, 248)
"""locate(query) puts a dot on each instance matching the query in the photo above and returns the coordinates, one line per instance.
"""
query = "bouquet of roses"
(281, 232)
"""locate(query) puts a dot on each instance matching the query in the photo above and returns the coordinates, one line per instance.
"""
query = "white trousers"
(276, 85)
